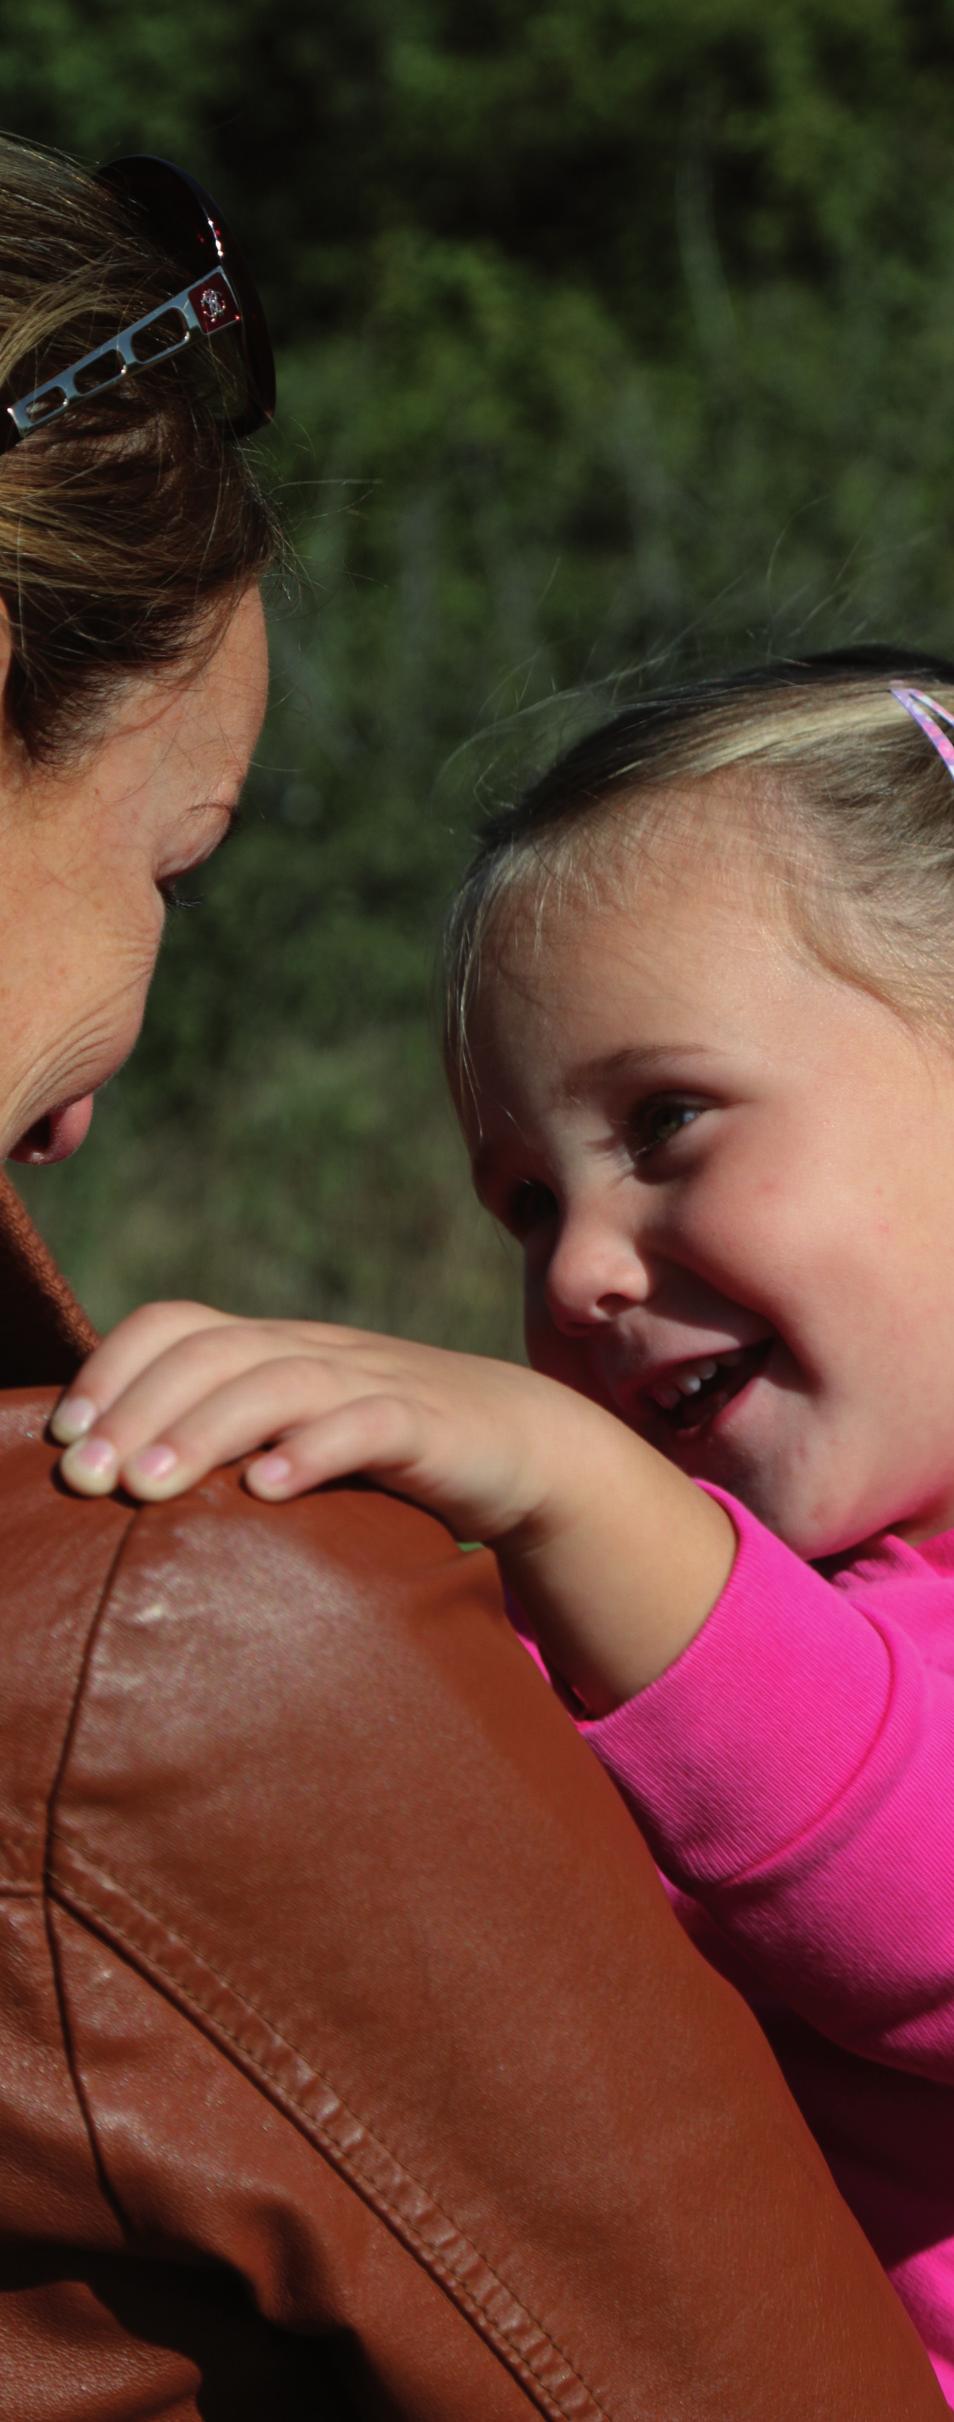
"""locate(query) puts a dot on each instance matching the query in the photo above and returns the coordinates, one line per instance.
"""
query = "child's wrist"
(619, 1567)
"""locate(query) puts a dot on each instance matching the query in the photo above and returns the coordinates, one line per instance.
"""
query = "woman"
(289, 2124)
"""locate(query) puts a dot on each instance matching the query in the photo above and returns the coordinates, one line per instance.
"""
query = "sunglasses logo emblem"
(214, 305)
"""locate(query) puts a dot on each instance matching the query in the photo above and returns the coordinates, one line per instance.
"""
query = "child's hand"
(616, 1557)
(179, 1388)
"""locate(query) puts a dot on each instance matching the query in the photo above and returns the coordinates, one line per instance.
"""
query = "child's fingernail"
(271, 1473)
(94, 1465)
(72, 1419)
(152, 1463)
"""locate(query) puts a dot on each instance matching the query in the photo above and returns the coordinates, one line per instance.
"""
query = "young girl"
(701, 1037)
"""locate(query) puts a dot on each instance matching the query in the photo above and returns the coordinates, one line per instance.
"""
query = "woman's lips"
(56, 1135)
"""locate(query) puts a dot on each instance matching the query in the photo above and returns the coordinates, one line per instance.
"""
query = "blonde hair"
(127, 528)
(851, 807)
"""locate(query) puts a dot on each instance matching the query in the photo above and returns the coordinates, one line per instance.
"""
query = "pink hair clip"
(924, 710)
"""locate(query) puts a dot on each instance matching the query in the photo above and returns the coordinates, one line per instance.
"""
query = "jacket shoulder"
(56, 1558)
(348, 2019)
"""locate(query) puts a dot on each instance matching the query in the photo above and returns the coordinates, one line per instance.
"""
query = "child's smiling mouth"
(690, 1394)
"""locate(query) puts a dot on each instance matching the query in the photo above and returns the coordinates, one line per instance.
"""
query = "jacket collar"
(44, 1332)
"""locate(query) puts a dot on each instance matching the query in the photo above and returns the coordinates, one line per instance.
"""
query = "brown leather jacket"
(351, 2061)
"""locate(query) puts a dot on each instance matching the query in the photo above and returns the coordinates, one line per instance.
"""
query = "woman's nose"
(594, 1273)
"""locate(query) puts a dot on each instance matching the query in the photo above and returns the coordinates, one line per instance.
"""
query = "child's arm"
(792, 1773)
(615, 1556)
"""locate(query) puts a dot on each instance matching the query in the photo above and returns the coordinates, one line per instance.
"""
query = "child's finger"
(114, 1365)
(181, 1380)
(151, 1333)
(204, 1428)
(379, 1436)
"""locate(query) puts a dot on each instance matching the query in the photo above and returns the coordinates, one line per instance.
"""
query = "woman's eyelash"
(168, 887)
(173, 897)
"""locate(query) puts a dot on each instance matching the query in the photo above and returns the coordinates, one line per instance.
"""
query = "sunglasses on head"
(219, 300)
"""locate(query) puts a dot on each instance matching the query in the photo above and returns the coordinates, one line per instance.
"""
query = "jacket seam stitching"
(338, 2156)
(70, 2049)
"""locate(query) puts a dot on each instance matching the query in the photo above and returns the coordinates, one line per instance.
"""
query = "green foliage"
(612, 335)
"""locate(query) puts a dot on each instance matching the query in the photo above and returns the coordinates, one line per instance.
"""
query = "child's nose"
(594, 1273)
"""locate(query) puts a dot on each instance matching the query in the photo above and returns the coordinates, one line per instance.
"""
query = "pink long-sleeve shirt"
(793, 1773)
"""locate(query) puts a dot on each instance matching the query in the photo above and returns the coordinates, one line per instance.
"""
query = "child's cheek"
(548, 1351)
(555, 1355)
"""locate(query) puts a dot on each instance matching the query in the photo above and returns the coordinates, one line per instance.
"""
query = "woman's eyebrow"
(213, 843)
(230, 808)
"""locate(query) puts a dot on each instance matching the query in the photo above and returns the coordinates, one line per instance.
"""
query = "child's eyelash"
(648, 1129)
(526, 1205)
(670, 1111)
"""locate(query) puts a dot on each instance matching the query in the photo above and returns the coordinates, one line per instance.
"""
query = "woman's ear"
(12, 765)
(14, 758)
(6, 645)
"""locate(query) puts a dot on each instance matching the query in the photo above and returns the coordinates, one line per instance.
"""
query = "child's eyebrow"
(632, 1061)
(482, 1161)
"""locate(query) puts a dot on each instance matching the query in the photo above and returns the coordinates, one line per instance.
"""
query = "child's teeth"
(691, 1381)
(685, 1383)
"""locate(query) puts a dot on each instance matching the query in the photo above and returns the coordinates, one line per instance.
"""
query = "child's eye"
(656, 1123)
(527, 1205)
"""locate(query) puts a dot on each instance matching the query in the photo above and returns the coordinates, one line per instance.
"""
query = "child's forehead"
(690, 959)
(643, 907)
(651, 935)
(731, 833)
(597, 982)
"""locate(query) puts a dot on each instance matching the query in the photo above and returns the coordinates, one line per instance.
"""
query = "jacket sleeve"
(792, 1771)
(377, 2009)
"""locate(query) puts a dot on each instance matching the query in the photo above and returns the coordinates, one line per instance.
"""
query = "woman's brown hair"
(128, 527)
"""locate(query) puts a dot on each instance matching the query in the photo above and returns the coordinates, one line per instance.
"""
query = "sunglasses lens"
(259, 358)
(180, 218)
(219, 376)
(186, 223)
